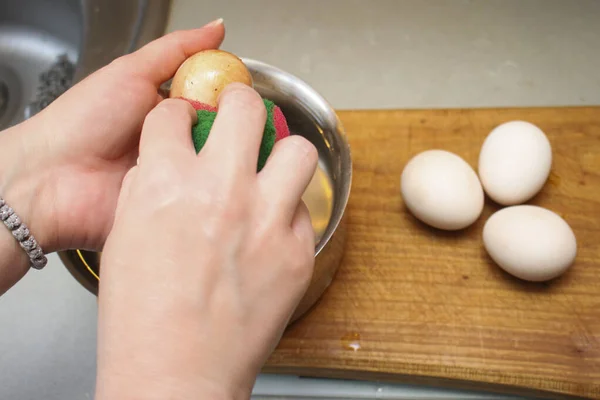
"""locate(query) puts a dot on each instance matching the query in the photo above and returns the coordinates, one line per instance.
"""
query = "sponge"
(200, 80)
(276, 128)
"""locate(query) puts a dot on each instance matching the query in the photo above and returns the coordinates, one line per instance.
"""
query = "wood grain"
(410, 303)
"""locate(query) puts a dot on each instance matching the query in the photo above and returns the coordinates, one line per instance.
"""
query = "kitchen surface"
(376, 54)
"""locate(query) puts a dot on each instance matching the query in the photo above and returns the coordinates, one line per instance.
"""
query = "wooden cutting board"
(413, 304)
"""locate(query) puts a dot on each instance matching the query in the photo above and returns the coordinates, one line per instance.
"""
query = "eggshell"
(205, 74)
(514, 162)
(442, 190)
(530, 242)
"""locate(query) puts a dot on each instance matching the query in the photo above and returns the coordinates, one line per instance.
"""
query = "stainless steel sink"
(34, 34)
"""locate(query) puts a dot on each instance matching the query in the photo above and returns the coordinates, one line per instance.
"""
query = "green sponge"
(275, 129)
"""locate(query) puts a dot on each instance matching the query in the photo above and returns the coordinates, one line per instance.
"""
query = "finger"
(167, 130)
(237, 131)
(159, 98)
(287, 173)
(125, 190)
(159, 60)
(302, 227)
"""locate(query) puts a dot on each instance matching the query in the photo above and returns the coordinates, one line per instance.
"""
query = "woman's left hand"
(62, 169)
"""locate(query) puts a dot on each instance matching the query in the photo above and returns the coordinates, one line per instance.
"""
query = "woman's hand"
(207, 259)
(62, 169)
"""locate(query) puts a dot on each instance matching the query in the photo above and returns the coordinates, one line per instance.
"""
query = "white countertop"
(358, 54)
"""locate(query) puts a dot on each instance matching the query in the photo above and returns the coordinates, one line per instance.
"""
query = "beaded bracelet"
(20, 231)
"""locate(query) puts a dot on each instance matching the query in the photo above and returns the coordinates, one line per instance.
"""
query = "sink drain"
(53, 83)
(10, 97)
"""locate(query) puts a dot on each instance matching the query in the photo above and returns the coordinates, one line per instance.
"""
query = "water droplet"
(351, 341)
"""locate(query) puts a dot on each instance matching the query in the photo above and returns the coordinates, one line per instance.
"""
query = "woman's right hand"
(207, 258)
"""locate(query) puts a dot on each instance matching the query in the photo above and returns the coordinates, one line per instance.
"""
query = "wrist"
(21, 188)
(112, 384)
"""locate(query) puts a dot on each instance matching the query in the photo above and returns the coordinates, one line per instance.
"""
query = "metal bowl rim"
(346, 152)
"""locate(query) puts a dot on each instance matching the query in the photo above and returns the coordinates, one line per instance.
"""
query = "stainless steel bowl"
(309, 115)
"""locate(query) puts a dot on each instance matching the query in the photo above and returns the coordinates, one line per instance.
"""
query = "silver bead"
(5, 212)
(36, 253)
(21, 233)
(12, 222)
(28, 244)
(39, 263)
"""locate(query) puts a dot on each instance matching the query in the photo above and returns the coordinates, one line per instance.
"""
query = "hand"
(207, 259)
(62, 169)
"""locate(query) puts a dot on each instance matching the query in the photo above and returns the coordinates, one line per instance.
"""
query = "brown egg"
(203, 76)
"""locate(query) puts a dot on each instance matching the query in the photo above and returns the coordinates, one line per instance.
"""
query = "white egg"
(514, 162)
(442, 190)
(530, 242)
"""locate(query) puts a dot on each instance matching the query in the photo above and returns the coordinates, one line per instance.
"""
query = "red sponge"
(200, 106)
(276, 127)
(281, 127)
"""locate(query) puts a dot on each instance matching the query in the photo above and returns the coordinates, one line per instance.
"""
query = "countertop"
(358, 54)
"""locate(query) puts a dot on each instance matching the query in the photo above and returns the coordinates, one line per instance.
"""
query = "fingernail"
(231, 88)
(234, 86)
(216, 22)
